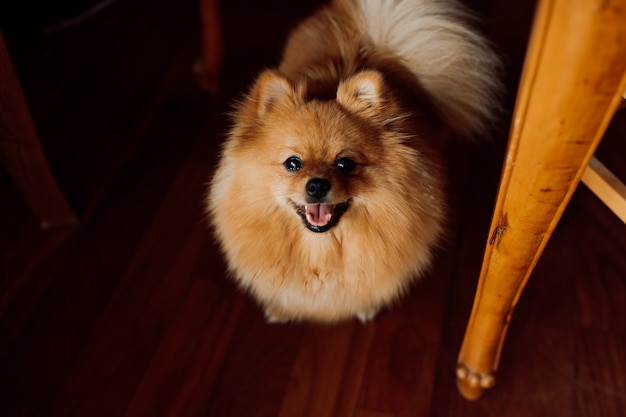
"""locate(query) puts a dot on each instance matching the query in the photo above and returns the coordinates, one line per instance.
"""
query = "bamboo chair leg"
(21, 152)
(572, 83)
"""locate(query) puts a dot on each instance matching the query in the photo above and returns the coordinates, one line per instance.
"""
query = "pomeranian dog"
(329, 196)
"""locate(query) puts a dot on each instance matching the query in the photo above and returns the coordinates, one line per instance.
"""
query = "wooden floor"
(130, 313)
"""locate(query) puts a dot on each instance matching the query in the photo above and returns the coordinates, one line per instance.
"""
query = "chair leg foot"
(471, 384)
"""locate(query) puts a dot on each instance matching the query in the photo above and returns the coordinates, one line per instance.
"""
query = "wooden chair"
(21, 152)
(571, 86)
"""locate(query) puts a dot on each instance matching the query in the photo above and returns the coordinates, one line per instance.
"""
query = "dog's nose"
(317, 188)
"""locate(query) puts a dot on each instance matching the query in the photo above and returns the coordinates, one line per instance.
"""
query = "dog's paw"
(274, 317)
(366, 316)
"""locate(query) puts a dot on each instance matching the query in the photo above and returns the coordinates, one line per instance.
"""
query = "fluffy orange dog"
(329, 195)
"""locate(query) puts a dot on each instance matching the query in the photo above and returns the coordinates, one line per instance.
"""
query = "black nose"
(317, 188)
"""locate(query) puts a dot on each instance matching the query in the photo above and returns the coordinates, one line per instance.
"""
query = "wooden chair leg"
(21, 152)
(607, 187)
(208, 67)
(570, 88)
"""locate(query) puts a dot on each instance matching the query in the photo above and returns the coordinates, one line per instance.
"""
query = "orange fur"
(334, 96)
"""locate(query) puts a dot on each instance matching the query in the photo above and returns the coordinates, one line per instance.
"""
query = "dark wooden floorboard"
(131, 313)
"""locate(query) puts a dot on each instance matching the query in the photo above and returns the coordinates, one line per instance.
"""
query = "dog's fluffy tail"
(437, 41)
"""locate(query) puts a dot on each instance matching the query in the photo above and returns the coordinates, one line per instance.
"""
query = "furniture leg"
(21, 152)
(572, 83)
(208, 68)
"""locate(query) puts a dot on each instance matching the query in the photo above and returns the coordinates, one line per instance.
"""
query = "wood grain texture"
(133, 314)
(331, 387)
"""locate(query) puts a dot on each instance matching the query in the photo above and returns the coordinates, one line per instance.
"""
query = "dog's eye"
(345, 164)
(293, 163)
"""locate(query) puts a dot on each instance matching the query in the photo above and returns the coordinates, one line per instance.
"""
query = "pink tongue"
(319, 214)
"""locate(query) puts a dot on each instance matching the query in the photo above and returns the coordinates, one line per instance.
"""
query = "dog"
(329, 196)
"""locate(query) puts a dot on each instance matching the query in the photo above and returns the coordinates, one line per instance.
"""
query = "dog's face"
(323, 161)
(320, 160)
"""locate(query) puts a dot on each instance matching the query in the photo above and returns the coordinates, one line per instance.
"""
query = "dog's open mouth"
(320, 218)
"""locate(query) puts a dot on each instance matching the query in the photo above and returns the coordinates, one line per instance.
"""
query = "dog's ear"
(362, 93)
(272, 89)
